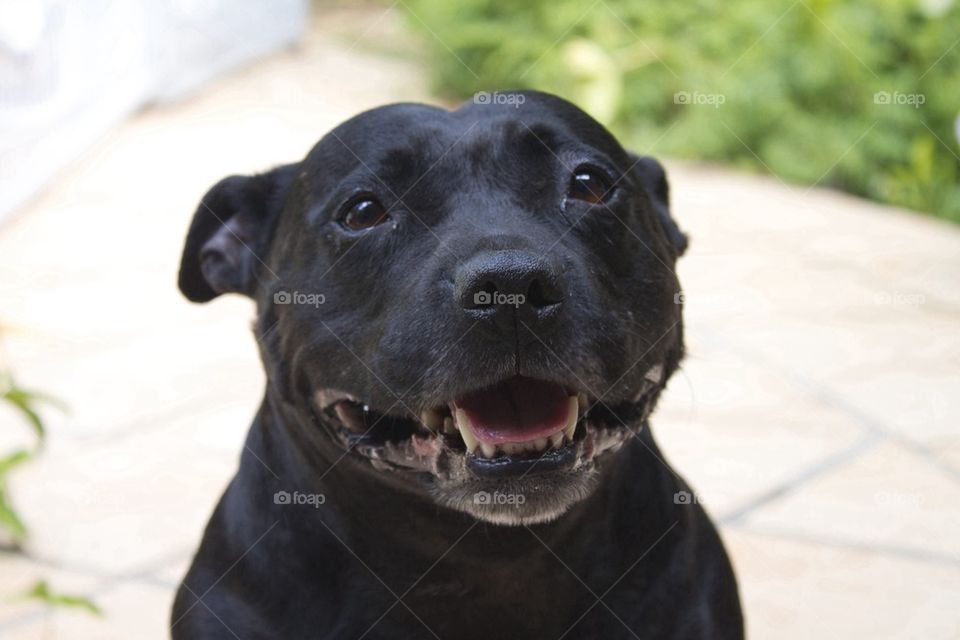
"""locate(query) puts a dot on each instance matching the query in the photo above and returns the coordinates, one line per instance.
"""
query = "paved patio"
(816, 414)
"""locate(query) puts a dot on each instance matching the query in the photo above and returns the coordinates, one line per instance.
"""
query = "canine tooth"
(583, 401)
(556, 440)
(431, 419)
(463, 424)
(540, 444)
(573, 410)
(489, 450)
(448, 426)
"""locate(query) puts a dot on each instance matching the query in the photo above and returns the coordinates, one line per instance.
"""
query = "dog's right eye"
(363, 213)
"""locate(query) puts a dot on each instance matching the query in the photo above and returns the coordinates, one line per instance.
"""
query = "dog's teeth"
(463, 425)
(583, 401)
(448, 426)
(573, 411)
(431, 419)
(461, 422)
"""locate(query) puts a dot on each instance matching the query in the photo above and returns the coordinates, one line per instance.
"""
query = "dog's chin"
(520, 452)
(519, 502)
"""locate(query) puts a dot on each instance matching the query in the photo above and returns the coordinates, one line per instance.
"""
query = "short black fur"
(602, 547)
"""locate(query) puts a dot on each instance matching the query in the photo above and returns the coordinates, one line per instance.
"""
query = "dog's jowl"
(466, 318)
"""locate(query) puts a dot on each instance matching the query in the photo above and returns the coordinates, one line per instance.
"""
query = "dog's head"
(481, 302)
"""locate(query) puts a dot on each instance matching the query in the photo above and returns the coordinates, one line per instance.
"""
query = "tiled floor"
(816, 414)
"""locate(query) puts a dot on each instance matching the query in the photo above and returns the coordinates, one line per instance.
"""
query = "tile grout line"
(147, 569)
(829, 398)
(104, 583)
(821, 467)
(888, 550)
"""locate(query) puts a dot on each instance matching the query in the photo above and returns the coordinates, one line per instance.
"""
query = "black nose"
(508, 288)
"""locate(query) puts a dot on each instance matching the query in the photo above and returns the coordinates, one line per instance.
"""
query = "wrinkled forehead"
(412, 138)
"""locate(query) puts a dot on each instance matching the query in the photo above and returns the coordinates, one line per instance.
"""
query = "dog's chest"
(505, 602)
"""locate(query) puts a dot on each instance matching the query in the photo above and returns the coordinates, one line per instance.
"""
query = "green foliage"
(861, 96)
(41, 591)
(25, 403)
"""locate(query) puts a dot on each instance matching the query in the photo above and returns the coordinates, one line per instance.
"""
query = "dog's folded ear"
(653, 178)
(230, 232)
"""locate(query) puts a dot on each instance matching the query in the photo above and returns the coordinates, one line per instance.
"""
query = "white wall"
(70, 70)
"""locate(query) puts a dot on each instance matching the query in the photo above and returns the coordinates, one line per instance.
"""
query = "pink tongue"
(517, 410)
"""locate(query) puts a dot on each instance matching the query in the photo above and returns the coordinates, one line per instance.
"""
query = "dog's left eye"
(364, 213)
(590, 185)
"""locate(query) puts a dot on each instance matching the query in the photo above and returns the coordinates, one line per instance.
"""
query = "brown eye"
(590, 185)
(364, 213)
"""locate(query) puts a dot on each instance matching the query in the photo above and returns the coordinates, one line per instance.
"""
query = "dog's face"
(481, 303)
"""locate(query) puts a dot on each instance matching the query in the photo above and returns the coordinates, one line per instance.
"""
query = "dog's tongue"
(517, 410)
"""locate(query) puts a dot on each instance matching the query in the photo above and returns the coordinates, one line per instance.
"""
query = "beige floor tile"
(123, 506)
(762, 215)
(919, 403)
(127, 386)
(19, 574)
(737, 431)
(871, 371)
(947, 451)
(130, 610)
(793, 590)
(889, 497)
(850, 295)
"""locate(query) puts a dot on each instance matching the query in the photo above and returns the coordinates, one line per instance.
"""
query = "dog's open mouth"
(518, 417)
(519, 426)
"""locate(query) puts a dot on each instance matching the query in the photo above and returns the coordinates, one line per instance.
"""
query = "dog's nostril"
(542, 295)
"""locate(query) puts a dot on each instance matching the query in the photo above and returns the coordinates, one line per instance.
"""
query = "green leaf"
(26, 402)
(12, 460)
(9, 519)
(41, 591)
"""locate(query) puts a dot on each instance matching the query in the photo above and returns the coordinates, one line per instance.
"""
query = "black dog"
(466, 319)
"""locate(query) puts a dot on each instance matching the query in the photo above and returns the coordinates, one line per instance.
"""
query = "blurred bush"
(861, 96)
